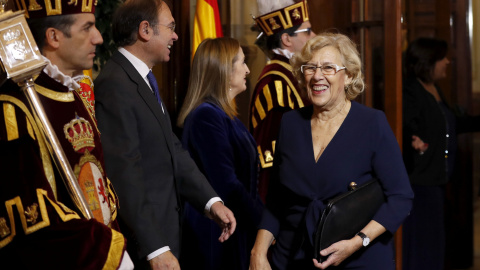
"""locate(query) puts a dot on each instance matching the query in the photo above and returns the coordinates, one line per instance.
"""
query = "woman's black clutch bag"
(346, 214)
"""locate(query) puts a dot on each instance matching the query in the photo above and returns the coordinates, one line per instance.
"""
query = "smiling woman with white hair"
(320, 150)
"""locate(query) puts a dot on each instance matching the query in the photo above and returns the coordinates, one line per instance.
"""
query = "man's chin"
(82, 70)
(88, 66)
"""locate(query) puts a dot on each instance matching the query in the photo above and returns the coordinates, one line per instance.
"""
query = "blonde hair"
(212, 68)
(348, 54)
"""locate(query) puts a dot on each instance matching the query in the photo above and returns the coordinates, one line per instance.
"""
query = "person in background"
(152, 173)
(430, 130)
(40, 224)
(321, 149)
(277, 91)
(224, 151)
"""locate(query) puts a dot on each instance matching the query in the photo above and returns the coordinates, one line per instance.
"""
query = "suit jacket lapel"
(147, 95)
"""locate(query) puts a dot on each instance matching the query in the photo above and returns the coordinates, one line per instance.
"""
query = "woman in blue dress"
(320, 150)
(224, 151)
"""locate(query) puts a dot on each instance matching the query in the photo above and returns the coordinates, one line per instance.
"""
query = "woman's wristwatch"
(366, 239)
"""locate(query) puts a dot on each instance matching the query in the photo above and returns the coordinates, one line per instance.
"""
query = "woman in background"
(224, 151)
(429, 150)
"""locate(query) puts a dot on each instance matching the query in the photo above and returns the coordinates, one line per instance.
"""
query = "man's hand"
(224, 218)
(165, 261)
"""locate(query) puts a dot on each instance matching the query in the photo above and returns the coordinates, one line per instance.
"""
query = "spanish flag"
(207, 22)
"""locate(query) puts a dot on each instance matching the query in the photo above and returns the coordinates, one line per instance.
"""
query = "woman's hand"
(338, 252)
(259, 262)
(258, 258)
(419, 145)
(341, 250)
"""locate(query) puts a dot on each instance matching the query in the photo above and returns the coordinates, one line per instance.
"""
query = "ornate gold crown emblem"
(283, 18)
(80, 134)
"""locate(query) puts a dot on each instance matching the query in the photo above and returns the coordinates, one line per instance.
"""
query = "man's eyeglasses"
(170, 26)
(328, 69)
(308, 30)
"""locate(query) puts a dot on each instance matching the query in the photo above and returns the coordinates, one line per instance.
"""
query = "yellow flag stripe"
(203, 24)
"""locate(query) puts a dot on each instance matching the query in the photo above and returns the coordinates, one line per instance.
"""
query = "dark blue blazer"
(225, 152)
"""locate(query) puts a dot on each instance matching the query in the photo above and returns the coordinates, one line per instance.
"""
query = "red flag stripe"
(216, 12)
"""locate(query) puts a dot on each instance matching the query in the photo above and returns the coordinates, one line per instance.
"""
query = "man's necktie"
(154, 85)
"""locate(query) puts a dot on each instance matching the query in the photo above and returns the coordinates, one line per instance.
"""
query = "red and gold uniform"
(276, 92)
(40, 227)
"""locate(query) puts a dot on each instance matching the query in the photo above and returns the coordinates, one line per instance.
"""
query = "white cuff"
(157, 252)
(126, 263)
(209, 205)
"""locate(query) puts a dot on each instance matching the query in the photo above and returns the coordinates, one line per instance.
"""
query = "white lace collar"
(288, 54)
(53, 72)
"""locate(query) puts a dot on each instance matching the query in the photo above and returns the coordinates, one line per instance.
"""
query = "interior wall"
(475, 38)
(474, 20)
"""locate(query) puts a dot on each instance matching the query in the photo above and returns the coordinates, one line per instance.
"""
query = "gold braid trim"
(113, 199)
(115, 253)
(262, 158)
(279, 89)
(57, 96)
(258, 104)
(91, 113)
(294, 90)
(10, 121)
(281, 63)
(44, 154)
(57, 10)
(41, 193)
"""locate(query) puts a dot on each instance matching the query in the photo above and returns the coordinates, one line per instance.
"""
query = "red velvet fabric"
(60, 242)
(266, 131)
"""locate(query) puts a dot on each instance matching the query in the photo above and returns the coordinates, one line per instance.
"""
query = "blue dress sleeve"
(389, 168)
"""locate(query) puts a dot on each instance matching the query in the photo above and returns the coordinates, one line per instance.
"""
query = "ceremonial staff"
(21, 61)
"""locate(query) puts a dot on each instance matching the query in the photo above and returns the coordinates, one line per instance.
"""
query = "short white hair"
(267, 6)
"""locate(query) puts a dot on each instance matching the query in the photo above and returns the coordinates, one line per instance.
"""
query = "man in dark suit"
(151, 171)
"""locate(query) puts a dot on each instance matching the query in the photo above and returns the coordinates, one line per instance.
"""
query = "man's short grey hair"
(267, 6)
